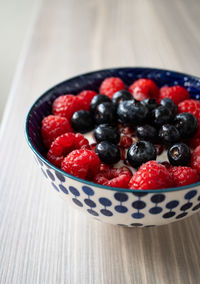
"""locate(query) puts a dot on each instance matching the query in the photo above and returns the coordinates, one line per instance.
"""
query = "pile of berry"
(132, 126)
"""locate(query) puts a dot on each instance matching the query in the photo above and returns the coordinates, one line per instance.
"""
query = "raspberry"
(65, 106)
(195, 159)
(144, 89)
(192, 106)
(52, 127)
(110, 86)
(151, 175)
(114, 177)
(183, 175)
(85, 98)
(176, 93)
(63, 145)
(81, 163)
(126, 141)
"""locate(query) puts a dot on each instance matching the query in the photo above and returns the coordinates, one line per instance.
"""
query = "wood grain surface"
(42, 239)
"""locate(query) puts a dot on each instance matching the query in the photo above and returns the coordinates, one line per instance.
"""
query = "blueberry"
(161, 115)
(131, 112)
(186, 123)
(169, 134)
(179, 154)
(167, 102)
(141, 152)
(105, 113)
(82, 121)
(146, 132)
(108, 153)
(97, 100)
(105, 132)
(121, 96)
(150, 104)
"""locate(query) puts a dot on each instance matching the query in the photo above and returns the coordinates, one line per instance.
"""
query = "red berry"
(195, 140)
(104, 167)
(126, 141)
(144, 89)
(110, 86)
(195, 159)
(183, 175)
(52, 127)
(128, 130)
(159, 149)
(85, 98)
(166, 164)
(192, 106)
(65, 106)
(81, 163)
(114, 177)
(151, 175)
(63, 145)
(122, 153)
(175, 93)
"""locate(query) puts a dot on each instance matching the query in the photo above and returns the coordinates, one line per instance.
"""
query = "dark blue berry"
(141, 152)
(146, 132)
(121, 96)
(186, 123)
(108, 153)
(105, 113)
(82, 121)
(97, 100)
(161, 115)
(167, 102)
(150, 104)
(105, 132)
(169, 134)
(131, 112)
(179, 154)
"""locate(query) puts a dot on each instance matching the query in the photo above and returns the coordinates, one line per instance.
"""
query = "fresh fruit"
(195, 140)
(131, 113)
(65, 106)
(169, 134)
(108, 153)
(114, 177)
(121, 96)
(176, 93)
(110, 86)
(97, 100)
(147, 132)
(85, 97)
(126, 141)
(151, 175)
(63, 145)
(186, 123)
(167, 102)
(150, 104)
(183, 175)
(161, 115)
(105, 113)
(105, 132)
(191, 106)
(179, 154)
(144, 89)
(52, 127)
(141, 152)
(81, 163)
(82, 121)
(195, 159)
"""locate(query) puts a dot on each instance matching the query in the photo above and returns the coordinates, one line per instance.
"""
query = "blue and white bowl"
(124, 207)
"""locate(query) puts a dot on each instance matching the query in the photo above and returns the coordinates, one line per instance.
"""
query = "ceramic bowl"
(123, 207)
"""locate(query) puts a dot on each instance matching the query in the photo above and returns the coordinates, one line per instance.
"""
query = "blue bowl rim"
(172, 189)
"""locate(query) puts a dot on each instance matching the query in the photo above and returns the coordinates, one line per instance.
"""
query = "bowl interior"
(92, 81)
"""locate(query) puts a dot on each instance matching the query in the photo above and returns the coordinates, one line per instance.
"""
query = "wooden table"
(42, 240)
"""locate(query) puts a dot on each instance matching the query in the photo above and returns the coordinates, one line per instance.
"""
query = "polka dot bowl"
(123, 207)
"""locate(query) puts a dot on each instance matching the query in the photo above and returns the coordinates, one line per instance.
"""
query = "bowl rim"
(118, 189)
